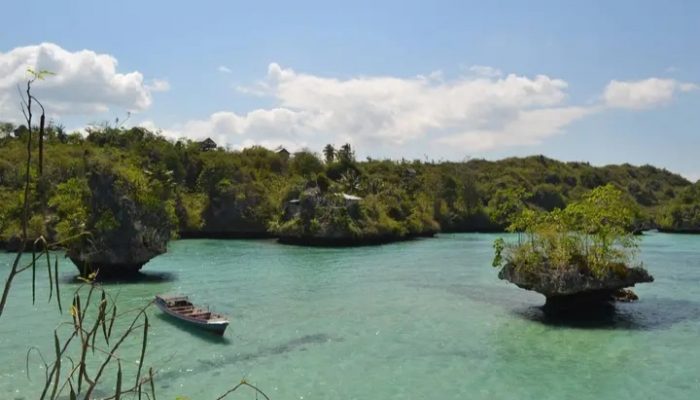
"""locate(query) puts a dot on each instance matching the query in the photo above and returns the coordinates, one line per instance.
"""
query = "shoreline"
(349, 242)
(337, 242)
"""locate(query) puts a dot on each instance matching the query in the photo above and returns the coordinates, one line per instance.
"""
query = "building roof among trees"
(208, 144)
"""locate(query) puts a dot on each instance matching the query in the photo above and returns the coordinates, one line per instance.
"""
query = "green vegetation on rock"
(592, 234)
(682, 214)
(584, 249)
(129, 215)
(203, 190)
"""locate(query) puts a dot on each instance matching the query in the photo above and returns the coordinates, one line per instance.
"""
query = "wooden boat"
(181, 308)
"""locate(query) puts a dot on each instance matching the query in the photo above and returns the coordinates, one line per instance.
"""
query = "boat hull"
(216, 327)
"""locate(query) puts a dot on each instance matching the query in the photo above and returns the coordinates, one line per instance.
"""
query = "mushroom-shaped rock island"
(578, 257)
(130, 218)
(571, 287)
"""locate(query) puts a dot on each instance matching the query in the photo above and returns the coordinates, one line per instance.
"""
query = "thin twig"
(243, 383)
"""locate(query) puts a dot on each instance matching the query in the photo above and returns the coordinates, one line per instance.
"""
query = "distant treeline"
(202, 190)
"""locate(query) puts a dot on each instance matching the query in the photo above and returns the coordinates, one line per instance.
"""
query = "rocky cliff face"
(229, 215)
(572, 287)
(124, 235)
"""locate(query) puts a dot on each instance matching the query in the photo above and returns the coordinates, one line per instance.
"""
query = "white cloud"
(224, 69)
(269, 128)
(687, 87)
(151, 126)
(643, 94)
(693, 176)
(158, 85)
(85, 82)
(485, 71)
(529, 128)
(479, 111)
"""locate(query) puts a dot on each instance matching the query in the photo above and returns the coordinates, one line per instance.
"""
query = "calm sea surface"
(426, 319)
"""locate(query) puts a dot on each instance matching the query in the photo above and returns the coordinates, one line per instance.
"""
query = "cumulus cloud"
(158, 85)
(85, 82)
(481, 110)
(486, 71)
(692, 176)
(643, 94)
(529, 128)
(224, 69)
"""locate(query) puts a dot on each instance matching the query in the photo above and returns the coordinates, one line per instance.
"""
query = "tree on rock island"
(580, 256)
(130, 218)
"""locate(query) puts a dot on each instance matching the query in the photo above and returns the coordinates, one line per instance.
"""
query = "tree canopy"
(592, 234)
(215, 191)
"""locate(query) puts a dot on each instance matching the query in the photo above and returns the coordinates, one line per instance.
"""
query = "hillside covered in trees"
(199, 190)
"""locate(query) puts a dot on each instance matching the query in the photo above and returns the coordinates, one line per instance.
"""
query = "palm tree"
(345, 154)
(350, 181)
(329, 153)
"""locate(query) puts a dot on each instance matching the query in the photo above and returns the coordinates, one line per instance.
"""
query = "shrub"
(592, 234)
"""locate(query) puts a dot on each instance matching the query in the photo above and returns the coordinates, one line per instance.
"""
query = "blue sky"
(396, 78)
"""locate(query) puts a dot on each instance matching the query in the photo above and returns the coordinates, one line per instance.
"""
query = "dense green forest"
(197, 189)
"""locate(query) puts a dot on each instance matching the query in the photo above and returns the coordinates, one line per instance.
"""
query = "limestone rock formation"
(339, 219)
(571, 287)
(124, 233)
(233, 215)
(317, 219)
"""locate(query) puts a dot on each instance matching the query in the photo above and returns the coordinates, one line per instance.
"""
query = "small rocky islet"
(579, 257)
(339, 219)
(572, 288)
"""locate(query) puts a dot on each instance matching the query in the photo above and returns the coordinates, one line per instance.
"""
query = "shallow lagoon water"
(423, 319)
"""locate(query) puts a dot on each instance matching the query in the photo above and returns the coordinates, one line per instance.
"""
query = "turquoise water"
(425, 319)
